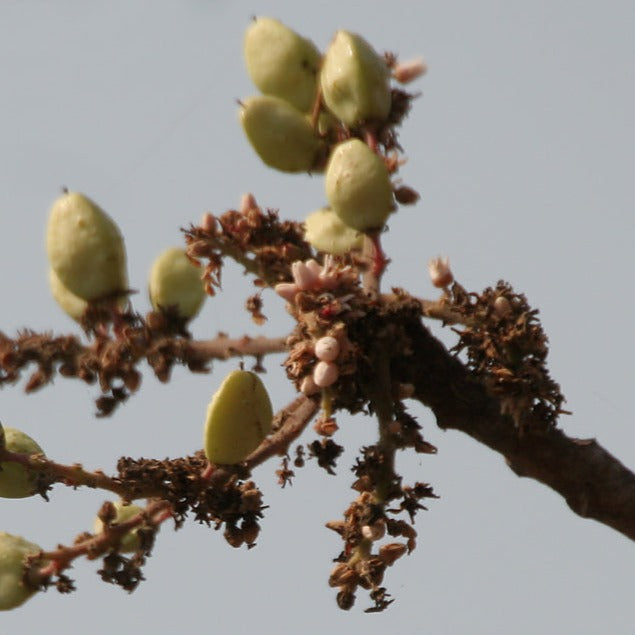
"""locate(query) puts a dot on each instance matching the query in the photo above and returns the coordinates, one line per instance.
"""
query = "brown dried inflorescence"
(255, 238)
(224, 499)
(111, 359)
(507, 350)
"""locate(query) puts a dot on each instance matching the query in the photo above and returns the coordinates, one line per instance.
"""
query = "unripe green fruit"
(85, 248)
(72, 305)
(238, 418)
(282, 63)
(355, 80)
(324, 231)
(280, 134)
(176, 281)
(130, 542)
(15, 480)
(13, 550)
(358, 186)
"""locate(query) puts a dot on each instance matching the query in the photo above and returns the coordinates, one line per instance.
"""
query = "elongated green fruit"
(238, 418)
(176, 281)
(13, 551)
(15, 480)
(280, 134)
(325, 231)
(355, 80)
(282, 63)
(85, 248)
(358, 186)
(72, 305)
(130, 542)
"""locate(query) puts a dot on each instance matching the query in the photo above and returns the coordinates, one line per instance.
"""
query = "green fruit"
(282, 63)
(238, 418)
(15, 480)
(325, 231)
(72, 305)
(130, 542)
(358, 186)
(355, 80)
(13, 551)
(176, 281)
(85, 248)
(280, 134)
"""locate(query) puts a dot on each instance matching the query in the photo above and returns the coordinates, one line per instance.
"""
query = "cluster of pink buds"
(310, 275)
(326, 371)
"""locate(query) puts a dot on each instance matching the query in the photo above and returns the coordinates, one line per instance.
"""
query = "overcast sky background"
(522, 146)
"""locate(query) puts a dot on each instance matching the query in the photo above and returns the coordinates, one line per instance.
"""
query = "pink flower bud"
(304, 276)
(405, 72)
(286, 290)
(208, 222)
(247, 202)
(325, 374)
(314, 266)
(440, 272)
(327, 349)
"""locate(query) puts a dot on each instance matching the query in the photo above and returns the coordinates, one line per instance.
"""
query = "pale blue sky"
(522, 146)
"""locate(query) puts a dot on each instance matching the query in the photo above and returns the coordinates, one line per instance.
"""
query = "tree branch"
(592, 481)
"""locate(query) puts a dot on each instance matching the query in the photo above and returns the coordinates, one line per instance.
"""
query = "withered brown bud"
(234, 536)
(391, 552)
(406, 195)
(345, 599)
(250, 530)
(251, 501)
(342, 575)
(502, 307)
(326, 427)
(337, 526)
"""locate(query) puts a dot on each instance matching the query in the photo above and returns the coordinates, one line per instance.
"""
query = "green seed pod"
(355, 80)
(280, 134)
(176, 281)
(238, 418)
(358, 186)
(13, 551)
(130, 542)
(15, 480)
(282, 63)
(325, 231)
(85, 248)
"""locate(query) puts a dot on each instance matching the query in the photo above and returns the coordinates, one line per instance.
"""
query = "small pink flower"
(440, 272)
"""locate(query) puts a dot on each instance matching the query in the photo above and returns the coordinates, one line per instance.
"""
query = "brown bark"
(592, 481)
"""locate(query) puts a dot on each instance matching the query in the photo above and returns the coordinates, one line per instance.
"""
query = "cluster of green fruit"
(87, 260)
(309, 100)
